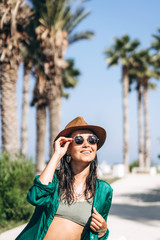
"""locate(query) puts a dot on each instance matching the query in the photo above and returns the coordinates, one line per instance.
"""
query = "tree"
(54, 22)
(144, 70)
(136, 70)
(69, 80)
(121, 52)
(25, 105)
(12, 24)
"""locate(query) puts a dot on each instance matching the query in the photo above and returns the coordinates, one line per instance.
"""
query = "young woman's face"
(82, 152)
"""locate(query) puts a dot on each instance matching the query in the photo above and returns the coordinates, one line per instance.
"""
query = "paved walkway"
(135, 211)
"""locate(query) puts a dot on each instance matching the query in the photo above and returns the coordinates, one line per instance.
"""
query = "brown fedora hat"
(79, 123)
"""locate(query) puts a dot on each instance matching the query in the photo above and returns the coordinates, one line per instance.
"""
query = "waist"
(62, 228)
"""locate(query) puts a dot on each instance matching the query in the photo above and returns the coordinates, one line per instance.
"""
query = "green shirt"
(46, 200)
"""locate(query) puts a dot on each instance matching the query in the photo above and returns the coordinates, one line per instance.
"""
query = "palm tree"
(12, 22)
(136, 70)
(121, 52)
(40, 102)
(144, 72)
(69, 80)
(27, 65)
(54, 22)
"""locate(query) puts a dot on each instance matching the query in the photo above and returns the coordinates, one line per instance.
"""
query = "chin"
(87, 160)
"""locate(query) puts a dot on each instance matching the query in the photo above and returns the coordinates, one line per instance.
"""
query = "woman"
(71, 203)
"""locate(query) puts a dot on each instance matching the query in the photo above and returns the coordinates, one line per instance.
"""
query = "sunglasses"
(92, 139)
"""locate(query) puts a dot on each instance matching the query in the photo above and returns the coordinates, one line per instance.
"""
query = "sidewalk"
(135, 211)
(12, 234)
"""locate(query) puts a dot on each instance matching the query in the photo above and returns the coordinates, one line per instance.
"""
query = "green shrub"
(132, 165)
(16, 177)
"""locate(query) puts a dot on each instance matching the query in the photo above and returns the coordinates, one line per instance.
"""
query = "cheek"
(94, 148)
(73, 149)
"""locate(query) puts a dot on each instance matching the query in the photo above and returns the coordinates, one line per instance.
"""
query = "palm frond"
(119, 44)
(69, 81)
(133, 45)
(70, 75)
(125, 39)
(112, 60)
(75, 19)
(66, 16)
(79, 36)
(109, 52)
(155, 45)
(56, 11)
(152, 86)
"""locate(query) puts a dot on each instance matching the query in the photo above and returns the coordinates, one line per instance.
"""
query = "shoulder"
(103, 185)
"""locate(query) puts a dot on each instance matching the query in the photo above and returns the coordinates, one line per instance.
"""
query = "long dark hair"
(66, 179)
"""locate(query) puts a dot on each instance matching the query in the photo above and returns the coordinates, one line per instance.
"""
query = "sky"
(98, 94)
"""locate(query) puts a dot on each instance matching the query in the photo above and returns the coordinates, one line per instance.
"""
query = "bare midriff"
(63, 229)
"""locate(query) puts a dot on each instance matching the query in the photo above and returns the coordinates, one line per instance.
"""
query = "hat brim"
(98, 131)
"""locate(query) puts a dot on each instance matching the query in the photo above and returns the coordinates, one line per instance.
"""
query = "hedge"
(16, 177)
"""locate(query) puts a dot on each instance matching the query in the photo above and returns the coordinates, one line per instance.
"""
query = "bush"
(132, 165)
(16, 177)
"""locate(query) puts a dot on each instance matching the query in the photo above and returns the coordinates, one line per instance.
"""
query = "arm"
(45, 184)
(60, 146)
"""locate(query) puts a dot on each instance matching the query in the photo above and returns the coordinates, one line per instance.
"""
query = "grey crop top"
(78, 212)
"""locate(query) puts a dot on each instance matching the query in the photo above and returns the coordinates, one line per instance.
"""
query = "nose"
(85, 143)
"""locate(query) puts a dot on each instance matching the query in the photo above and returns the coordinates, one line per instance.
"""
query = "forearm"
(48, 173)
(60, 146)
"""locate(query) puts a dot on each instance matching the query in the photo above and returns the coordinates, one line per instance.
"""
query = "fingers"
(98, 223)
(95, 211)
(62, 140)
(96, 215)
(61, 146)
(95, 225)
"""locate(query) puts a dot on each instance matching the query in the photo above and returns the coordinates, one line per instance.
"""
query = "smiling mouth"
(86, 152)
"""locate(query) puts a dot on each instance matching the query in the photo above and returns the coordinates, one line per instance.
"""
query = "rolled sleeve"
(40, 194)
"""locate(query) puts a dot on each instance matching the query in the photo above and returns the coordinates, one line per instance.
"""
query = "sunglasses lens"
(78, 140)
(93, 140)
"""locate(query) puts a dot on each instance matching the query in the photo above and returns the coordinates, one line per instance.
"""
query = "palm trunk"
(54, 116)
(9, 120)
(25, 108)
(146, 126)
(125, 82)
(140, 130)
(41, 131)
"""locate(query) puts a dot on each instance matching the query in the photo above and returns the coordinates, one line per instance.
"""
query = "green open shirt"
(46, 200)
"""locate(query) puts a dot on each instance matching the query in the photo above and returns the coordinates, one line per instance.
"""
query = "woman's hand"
(61, 145)
(60, 148)
(98, 223)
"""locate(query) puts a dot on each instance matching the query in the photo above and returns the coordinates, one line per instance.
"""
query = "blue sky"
(98, 95)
